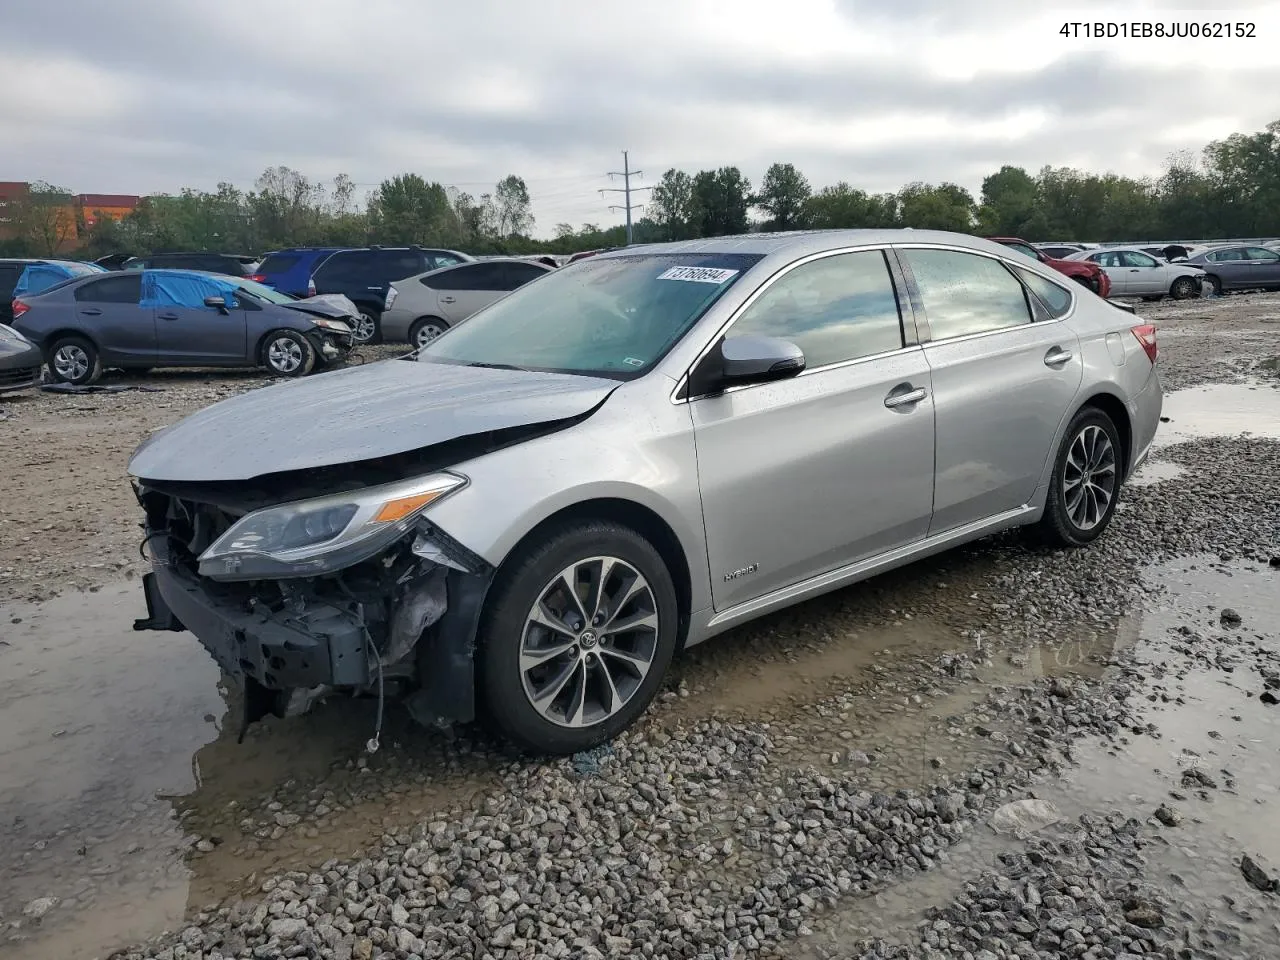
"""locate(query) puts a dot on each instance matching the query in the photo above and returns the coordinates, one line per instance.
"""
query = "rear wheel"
(367, 327)
(576, 638)
(1085, 483)
(287, 353)
(74, 360)
(426, 329)
(1184, 288)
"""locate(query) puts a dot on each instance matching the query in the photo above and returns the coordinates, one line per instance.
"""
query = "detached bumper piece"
(279, 650)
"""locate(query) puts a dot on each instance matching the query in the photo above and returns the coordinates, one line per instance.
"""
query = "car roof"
(802, 242)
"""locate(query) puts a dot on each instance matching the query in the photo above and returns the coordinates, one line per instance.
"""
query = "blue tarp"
(184, 288)
(38, 277)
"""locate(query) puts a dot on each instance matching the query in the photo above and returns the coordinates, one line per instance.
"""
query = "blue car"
(289, 271)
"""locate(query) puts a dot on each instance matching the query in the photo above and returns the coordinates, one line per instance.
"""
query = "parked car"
(1086, 274)
(1134, 273)
(1059, 251)
(365, 274)
(20, 361)
(583, 254)
(19, 275)
(139, 319)
(229, 264)
(1239, 268)
(631, 455)
(419, 309)
(289, 271)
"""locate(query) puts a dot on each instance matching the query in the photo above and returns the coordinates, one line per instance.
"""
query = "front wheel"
(1215, 285)
(74, 360)
(1085, 483)
(287, 353)
(576, 638)
(1184, 288)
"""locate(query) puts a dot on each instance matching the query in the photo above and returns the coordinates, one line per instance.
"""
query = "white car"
(1135, 273)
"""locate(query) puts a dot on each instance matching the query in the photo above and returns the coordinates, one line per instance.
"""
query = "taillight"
(258, 277)
(1146, 334)
(311, 287)
(19, 308)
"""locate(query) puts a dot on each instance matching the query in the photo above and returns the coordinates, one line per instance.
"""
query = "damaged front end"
(303, 596)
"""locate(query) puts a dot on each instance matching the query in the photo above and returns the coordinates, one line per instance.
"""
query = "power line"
(626, 175)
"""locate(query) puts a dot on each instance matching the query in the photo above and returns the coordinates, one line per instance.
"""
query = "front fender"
(633, 449)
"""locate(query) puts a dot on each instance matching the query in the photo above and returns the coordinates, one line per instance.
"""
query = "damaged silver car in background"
(526, 519)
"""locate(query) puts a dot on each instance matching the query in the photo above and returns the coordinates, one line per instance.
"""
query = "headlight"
(337, 326)
(392, 293)
(308, 538)
(13, 336)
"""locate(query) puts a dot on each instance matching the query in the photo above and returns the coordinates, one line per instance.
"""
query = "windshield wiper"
(495, 366)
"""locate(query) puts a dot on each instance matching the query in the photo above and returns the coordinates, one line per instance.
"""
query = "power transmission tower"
(627, 189)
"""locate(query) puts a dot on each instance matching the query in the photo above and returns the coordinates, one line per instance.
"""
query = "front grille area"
(22, 377)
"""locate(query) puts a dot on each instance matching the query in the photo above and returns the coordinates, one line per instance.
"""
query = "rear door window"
(964, 294)
(475, 276)
(398, 264)
(279, 263)
(117, 288)
(518, 274)
(347, 267)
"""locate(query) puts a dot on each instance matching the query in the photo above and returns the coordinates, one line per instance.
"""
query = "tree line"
(1229, 189)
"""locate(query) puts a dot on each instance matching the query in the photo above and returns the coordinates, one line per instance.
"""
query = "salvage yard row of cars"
(305, 308)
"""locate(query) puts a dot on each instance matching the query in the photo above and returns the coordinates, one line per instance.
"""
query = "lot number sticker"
(698, 274)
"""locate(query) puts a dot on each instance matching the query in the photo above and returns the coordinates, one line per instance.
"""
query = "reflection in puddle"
(1220, 410)
(1155, 471)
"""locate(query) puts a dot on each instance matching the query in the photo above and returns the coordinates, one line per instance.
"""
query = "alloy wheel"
(284, 355)
(363, 328)
(427, 332)
(71, 362)
(588, 642)
(1089, 477)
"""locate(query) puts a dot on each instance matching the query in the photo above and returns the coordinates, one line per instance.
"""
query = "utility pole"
(626, 189)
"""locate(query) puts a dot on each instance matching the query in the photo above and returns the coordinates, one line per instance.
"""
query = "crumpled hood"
(333, 305)
(375, 410)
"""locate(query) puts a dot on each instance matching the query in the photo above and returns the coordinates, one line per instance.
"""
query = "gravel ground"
(1002, 752)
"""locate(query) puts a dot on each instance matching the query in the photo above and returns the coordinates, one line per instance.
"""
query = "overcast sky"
(145, 96)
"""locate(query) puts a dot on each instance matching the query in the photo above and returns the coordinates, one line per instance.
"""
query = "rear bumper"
(395, 325)
(320, 645)
(1144, 412)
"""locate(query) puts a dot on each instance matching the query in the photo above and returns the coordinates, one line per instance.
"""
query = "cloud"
(145, 96)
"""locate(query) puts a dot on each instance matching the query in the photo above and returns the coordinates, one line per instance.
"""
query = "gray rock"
(1023, 817)
(35, 909)
(286, 928)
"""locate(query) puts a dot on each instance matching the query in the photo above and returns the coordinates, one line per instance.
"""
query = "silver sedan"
(1136, 273)
(633, 454)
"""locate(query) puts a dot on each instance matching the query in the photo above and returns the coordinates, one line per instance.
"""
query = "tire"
(424, 324)
(1184, 288)
(530, 579)
(1215, 284)
(1068, 522)
(74, 360)
(368, 327)
(288, 353)
(1084, 282)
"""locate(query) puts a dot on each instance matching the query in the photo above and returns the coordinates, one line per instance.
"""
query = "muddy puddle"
(1220, 410)
(125, 795)
(1204, 699)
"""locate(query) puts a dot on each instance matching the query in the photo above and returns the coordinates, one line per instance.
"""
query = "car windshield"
(613, 316)
(263, 292)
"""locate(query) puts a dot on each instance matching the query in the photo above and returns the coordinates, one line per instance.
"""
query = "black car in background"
(364, 275)
(230, 264)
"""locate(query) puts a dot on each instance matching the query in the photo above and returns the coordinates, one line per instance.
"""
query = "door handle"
(373, 288)
(1056, 357)
(168, 316)
(91, 312)
(446, 299)
(902, 399)
(1136, 270)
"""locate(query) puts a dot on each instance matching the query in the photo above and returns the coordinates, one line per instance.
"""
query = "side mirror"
(752, 359)
(218, 303)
